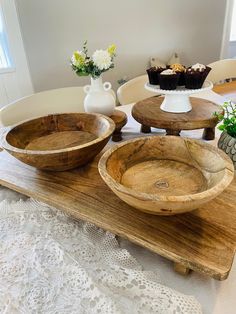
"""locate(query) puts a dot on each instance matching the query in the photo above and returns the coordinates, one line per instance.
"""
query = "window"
(233, 24)
(5, 60)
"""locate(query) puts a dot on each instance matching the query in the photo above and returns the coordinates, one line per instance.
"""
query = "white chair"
(222, 70)
(134, 91)
(68, 99)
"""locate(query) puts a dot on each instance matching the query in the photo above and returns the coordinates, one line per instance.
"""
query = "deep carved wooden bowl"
(166, 175)
(58, 142)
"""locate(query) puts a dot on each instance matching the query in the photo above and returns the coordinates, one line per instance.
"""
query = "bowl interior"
(167, 166)
(58, 131)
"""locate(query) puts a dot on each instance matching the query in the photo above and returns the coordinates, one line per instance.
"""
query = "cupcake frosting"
(198, 67)
(177, 67)
(168, 72)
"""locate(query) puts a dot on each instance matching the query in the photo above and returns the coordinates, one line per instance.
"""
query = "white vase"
(99, 98)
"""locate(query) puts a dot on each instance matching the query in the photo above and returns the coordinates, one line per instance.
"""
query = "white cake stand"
(177, 101)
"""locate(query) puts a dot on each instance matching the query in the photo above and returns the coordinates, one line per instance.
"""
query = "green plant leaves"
(228, 118)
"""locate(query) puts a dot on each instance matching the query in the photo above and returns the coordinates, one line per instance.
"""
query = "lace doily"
(50, 263)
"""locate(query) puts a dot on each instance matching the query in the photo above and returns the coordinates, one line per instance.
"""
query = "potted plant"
(227, 141)
(99, 97)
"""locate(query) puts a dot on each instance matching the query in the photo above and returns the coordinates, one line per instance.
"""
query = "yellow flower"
(78, 58)
(112, 50)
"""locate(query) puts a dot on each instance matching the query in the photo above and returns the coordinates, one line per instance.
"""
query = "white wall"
(52, 29)
(232, 49)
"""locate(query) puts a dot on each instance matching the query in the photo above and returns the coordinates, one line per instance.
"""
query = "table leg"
(208, 134)
(182, 270)
(172, 132)
(145, 129)
(117, 135)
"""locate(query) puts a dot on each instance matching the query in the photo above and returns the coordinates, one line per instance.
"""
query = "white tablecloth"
(215, 297)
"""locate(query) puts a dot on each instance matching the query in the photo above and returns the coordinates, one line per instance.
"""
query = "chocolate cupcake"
(168, 79)
(153, 75)
(196, 75)
(179, 68)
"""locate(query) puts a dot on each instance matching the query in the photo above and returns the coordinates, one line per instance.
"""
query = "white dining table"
(216, 297)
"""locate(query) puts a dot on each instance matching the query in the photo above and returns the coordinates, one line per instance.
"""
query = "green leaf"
(221, 127)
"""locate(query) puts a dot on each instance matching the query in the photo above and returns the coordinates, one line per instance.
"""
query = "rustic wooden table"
(203, 240)
(148, 113)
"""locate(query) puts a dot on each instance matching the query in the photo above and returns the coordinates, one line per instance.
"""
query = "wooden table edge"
(178, 261)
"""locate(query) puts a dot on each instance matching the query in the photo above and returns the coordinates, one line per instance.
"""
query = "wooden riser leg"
(208, 134)
(182, 270)
(117, 135)
(172, 132)
(145, 129)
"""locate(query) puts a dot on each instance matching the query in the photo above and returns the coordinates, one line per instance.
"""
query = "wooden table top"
(203, 240)
(148, 112)
(226, 89)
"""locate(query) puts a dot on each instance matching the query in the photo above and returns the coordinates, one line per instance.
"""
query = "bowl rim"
(207, 194)
(6, 130)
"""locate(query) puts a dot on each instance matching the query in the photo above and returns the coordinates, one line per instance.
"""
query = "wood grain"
(120, 120)
(226, 89)
(166, 175)
(148, 113)
(59, 141)
(203, 240)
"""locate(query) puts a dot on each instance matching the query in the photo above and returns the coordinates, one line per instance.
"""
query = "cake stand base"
(177, 100)
(176, 103)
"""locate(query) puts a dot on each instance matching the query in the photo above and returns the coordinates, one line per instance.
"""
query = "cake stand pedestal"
(177, 101)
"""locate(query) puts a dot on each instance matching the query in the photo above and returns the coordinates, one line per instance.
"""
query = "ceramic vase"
(228, 144)
(99, 98)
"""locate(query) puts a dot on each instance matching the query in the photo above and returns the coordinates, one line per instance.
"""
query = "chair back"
(68, 99)
(134, 91)
(222, 70)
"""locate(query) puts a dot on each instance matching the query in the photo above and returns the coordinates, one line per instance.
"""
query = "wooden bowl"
(166, 175)
(58, 142)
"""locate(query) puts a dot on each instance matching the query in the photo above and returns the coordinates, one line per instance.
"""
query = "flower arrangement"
(228, 118)
(101, 61)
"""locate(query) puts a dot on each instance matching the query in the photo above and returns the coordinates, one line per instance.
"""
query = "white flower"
(102, 59)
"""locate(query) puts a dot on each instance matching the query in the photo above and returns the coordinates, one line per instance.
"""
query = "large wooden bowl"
(166, 175)
(58, 142)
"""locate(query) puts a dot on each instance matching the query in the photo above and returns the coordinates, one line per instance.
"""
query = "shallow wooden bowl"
(58, 142)
(166, 175)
